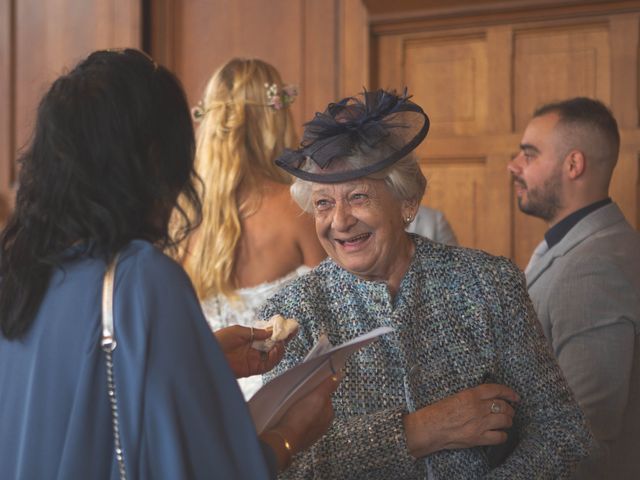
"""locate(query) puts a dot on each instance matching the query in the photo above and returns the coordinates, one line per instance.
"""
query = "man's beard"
(543, 202)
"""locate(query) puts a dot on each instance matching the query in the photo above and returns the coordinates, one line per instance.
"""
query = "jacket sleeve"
(360, 446)
(592, 307)
(552, 431)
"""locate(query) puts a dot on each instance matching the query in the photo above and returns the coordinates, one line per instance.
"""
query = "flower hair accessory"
(276, 98)
(280, 98)
(198, 112)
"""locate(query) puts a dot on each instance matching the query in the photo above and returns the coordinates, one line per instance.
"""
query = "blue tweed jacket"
(461, 318)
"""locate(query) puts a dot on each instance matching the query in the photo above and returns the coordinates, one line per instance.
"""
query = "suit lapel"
(588, 226)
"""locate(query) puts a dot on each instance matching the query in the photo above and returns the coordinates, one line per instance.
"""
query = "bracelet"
(287, 446)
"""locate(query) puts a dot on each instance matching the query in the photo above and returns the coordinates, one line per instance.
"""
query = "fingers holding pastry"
(282, 330)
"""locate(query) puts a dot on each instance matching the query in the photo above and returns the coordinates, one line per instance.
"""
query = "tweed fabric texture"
(461, 318)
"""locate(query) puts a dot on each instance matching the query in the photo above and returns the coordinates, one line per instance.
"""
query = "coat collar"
(585, 228)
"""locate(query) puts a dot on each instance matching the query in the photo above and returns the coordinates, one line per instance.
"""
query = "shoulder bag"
(109, 344)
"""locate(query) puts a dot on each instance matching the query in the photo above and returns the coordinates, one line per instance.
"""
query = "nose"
(514, 165)
(342, 219)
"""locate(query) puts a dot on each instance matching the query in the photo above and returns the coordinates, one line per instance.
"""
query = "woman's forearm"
(472, 417)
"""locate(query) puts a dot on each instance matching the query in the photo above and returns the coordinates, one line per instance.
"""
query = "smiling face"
(537, 170)
(360, 225)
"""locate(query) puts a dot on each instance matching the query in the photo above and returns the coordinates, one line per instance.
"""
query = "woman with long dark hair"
(112, 150)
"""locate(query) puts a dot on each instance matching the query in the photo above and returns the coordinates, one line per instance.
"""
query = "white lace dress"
(221, 311)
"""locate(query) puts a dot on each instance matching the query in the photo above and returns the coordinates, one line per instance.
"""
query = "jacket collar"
(585, 228)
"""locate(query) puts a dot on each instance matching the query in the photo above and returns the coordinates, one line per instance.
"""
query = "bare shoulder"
(276, 238)
(278, 199)
(297, 225)
(278, 218)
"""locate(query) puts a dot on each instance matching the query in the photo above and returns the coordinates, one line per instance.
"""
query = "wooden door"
(481, 77)
(320, 46)
(40, 40)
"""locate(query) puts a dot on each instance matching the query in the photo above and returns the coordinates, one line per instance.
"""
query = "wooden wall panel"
(499, 79)
(623, 34)
(389, 71)
(448, 77)
(208, 33)
(38, 42)
(558, 63)
(7, 87)
(320, 46)
(465, 92)
(457, 186)
(625, 103)
(521, 63)
(475, 194)
(354, 48)
(321, 83)
(625, 184)
(53, 36)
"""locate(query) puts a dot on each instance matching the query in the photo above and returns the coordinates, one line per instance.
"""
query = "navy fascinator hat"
(378, 127)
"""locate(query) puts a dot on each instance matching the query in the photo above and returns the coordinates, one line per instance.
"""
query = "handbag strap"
(108, 344)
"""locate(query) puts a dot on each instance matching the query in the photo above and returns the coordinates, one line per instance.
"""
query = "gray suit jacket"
(586, 291)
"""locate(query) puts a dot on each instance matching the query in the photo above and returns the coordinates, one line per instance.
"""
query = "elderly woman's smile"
(360, 225)
(354, 242)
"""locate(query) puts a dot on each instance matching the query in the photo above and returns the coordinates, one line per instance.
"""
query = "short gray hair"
(404, 178)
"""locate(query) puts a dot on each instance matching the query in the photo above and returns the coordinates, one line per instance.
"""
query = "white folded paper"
(269, 404)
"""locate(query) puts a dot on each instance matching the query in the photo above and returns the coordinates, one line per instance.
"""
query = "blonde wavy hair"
(239, 138)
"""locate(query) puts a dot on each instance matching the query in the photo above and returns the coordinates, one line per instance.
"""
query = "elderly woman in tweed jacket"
(466, 363)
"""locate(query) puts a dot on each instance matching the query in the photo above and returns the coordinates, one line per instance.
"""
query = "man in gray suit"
(584, 278)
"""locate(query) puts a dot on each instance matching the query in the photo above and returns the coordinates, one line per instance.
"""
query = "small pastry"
(281, 329)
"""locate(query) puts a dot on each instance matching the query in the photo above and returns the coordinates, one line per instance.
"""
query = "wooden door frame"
(8, 92)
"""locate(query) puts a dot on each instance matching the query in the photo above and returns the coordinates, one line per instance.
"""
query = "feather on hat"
(381, 126)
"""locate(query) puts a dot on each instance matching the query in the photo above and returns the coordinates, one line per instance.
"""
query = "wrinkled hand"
(244, 360)
(304, 422)
(469, 418)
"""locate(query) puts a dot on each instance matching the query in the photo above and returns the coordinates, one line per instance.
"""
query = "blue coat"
(181, 412)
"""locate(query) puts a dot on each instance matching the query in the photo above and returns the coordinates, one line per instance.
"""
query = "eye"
(321, 204)
(528, 155)
(358, 198)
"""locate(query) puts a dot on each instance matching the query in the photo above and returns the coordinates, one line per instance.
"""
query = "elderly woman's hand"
(303, 424)
(469, 418)
(246, 361)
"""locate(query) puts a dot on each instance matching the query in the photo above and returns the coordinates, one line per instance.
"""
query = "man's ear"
(575, 164)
